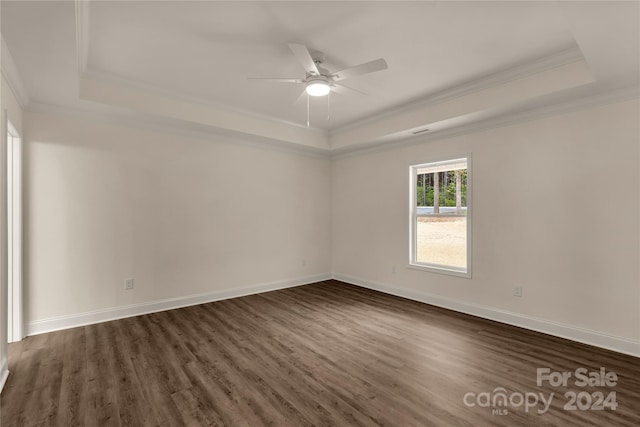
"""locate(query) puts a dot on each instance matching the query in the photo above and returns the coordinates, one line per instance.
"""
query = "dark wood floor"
(322, 354)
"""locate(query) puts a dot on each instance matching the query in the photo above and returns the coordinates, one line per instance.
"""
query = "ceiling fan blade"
(343, 90)
(275, 79)
(303, 95)
(304, 57)
(367, 67)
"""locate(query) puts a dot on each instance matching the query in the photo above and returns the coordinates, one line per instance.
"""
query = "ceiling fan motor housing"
(318, 85)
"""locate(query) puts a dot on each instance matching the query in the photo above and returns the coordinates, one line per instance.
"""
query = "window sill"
(440, 270)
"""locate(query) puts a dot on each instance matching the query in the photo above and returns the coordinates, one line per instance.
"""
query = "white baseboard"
(586, 336)
(574, 333)
(4, 372)
(81, 319)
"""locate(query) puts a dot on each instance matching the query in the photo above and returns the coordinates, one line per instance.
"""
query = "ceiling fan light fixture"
(318, 87)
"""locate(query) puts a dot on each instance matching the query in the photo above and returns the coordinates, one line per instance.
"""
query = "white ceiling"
(202, 52)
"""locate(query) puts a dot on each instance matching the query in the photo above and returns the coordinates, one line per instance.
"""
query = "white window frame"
(413, 215)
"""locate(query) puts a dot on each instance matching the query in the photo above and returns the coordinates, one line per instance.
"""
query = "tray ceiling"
(184, 60)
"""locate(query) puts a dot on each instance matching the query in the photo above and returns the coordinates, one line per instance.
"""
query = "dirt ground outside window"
(442, 240)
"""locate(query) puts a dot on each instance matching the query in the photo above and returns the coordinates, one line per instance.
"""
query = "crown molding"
(111, 79)
(519, 71)
(100, 91)
(545, 63)
(600, 99)
(511, 95)
(11, 74)
(176, 127)
(148, 122)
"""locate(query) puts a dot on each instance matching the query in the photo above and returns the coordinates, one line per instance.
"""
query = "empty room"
(320, 213)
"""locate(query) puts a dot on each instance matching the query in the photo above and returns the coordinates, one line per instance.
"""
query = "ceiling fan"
(320, 82)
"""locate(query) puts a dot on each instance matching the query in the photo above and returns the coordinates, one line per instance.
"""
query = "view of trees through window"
(440, 214)
(445, 185)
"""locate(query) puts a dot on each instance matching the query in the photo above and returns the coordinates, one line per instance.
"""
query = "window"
(441, 216)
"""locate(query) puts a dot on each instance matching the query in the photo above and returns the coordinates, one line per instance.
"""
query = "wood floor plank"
(316, 355)
(73, 389)
(295, 385)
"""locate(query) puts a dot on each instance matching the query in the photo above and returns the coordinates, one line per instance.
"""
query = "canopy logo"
(501, 401)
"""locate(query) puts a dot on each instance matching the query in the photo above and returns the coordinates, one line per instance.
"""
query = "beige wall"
(182, 215)
(555, 210)
(14, 114)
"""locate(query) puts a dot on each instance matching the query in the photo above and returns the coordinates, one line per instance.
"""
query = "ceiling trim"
(149, 122)
(548, 62)
(155, 103)
(162, 125)
(12, 76)
(179, 96)
(601, 99)
(116, 91)
(461, 108)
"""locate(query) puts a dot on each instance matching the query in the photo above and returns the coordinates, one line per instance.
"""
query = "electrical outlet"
(304, 262)
(128, 284)
(517, 291)
(393, 269)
